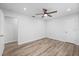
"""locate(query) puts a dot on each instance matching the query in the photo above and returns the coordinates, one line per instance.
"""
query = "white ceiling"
(34, 8)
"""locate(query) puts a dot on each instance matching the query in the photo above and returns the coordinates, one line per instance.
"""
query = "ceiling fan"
(46, 13)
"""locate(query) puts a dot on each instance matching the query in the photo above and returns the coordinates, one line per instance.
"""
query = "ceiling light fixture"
(45, 14)
(69, 9)
(24, 9)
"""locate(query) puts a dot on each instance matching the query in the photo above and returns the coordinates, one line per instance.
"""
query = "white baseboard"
(64, 40)
(20, 43)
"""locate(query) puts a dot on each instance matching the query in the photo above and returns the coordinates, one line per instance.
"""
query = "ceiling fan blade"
(49, 15)
(33, 16)
(39, 14)
(43, 16)
(44, 9)
(52, 12)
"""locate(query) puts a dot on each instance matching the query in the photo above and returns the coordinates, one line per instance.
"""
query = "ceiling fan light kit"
(45, 15)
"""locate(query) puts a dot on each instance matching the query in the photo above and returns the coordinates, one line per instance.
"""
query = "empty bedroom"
(39, 29)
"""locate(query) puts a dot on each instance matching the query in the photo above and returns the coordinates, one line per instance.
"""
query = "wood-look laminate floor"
(42, 47)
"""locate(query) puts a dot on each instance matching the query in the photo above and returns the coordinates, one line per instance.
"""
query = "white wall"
(64, 28)
(30, 29)
(11, 29)
(1, 32)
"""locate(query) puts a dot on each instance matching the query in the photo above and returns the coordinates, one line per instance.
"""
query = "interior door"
(11, 29)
